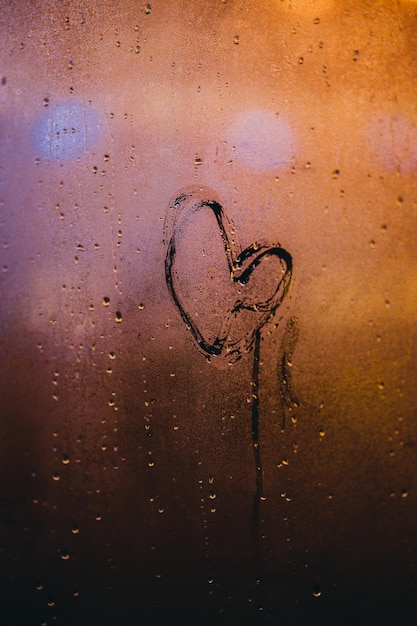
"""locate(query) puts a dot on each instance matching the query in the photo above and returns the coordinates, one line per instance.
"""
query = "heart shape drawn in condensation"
(242, 265)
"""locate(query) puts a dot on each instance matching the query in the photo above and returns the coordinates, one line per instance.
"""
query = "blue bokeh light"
(66, 131)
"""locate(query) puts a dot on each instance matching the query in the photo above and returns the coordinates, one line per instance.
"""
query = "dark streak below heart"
(259, 495)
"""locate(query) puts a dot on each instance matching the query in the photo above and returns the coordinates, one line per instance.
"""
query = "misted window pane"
(208, 265)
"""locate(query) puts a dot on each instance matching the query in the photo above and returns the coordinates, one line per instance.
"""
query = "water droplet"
(316, 591)
(56, 476)
(65, 459)
(301, 60)
(70, 65)
(148, 9)
(118, 317)
(45, 102)
(236, 40)
(75, 530)
(141, 307)
(198, 161)
(336, 174)
(316, 20)
(106, 301)
(371, 243)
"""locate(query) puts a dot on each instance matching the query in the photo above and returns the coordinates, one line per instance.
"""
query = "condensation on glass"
(208, 300)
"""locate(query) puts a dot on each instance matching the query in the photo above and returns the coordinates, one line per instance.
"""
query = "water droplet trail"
(255, 437)
(289, 400)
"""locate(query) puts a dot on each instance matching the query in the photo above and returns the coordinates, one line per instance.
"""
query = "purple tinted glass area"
(261, 140)
(66, 131)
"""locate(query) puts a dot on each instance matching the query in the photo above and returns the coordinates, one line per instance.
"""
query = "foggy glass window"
(208, 299)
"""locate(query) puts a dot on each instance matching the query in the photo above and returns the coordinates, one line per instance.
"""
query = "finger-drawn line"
(241, 264)
(259, 494)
